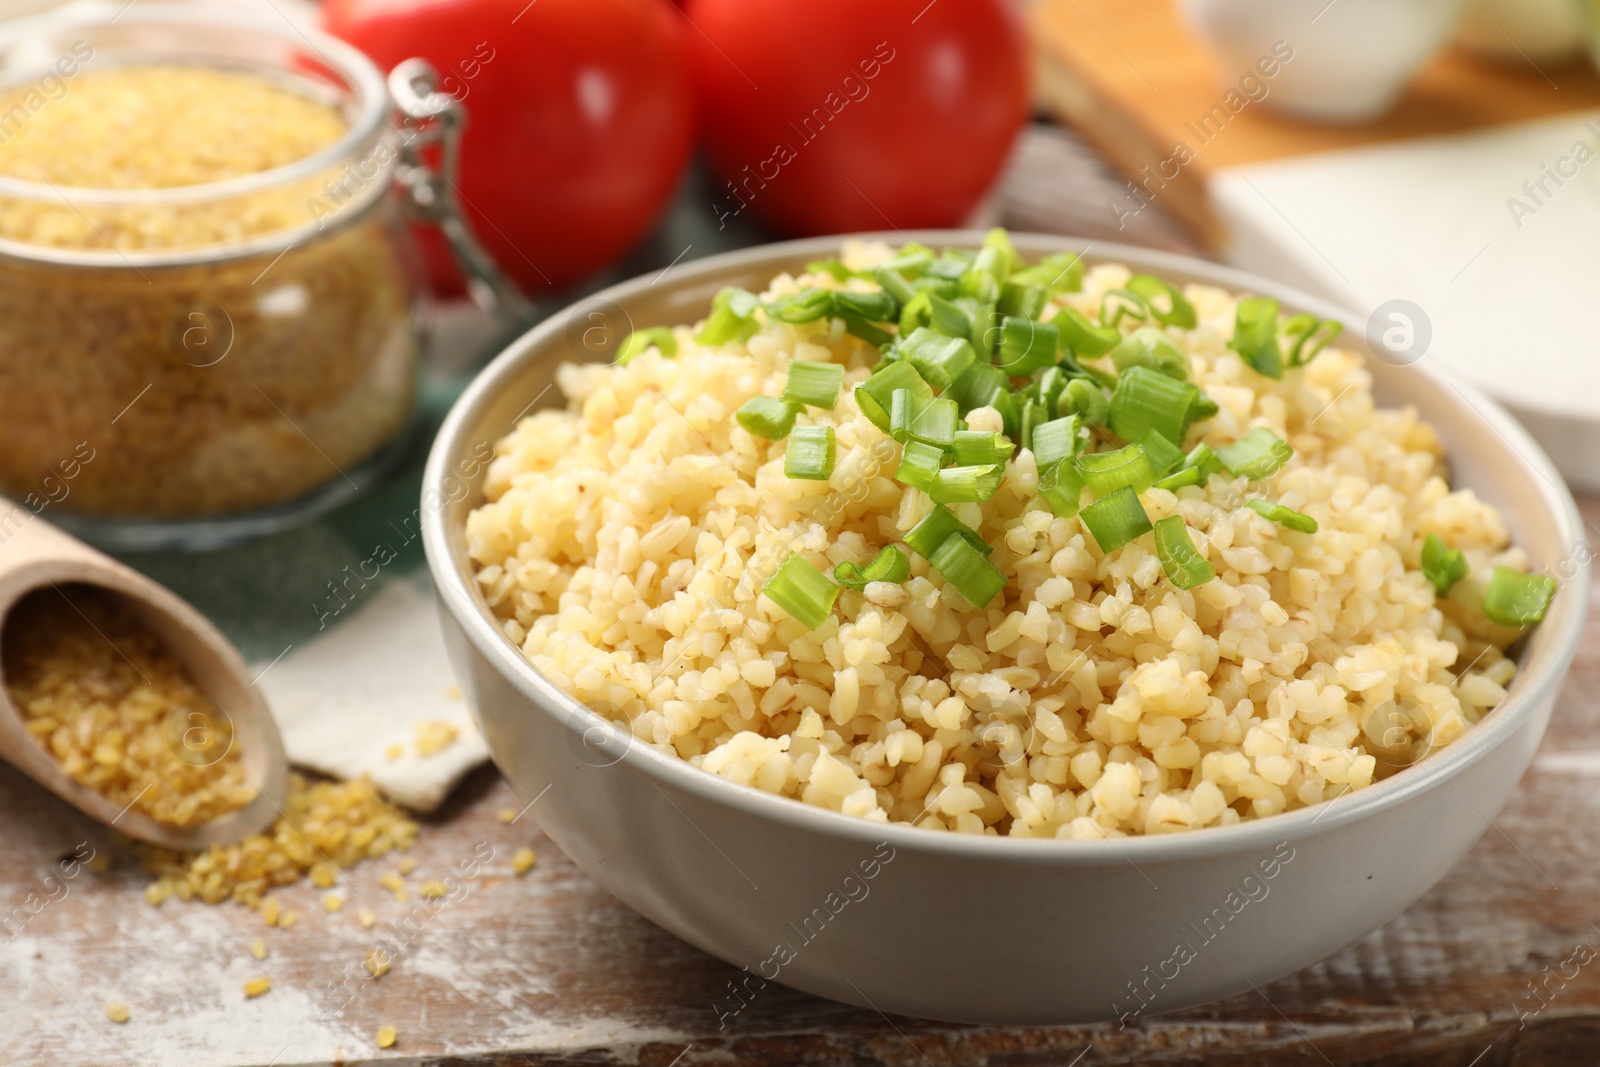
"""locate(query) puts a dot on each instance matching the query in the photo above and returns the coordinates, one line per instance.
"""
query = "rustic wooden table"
(1495, 966)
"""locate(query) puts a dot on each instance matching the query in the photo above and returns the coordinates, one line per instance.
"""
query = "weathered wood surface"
(547, 969)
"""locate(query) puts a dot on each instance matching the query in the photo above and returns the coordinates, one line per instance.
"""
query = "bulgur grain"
(255, 987)
(117, 1013)
(386, 1036)
(522, 860)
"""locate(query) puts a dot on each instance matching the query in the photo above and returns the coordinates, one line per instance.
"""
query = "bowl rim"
(1535, 683)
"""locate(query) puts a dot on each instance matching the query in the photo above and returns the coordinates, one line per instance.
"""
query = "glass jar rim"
(343, 59)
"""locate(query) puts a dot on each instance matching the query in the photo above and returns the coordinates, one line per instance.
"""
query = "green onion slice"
(980, 387)
(1197, 466)
(809, 453)
(923, 418)
(1255, 335)
(880, 306)
(1119, 304)
(732, 317)
(977, 483)
(1059, 273)
(926, 536)
(813, 384)
(1108, 472)
(832, 266)
(1441, 565)
(1258, 454)
(808, 305)
(1085, 399)
(1162, 453)
(919, 462)
(802, 591)
(1030, 413)
(1026, 345)
(1003, 254)
(767, 416)
(938, 358)
(1310, 336)
(639, 340)
(1055, 440)
(1050, 383)
(875, 395)
(894, 283)
(1517, 599)
(1166, 303)
(979, 447)
(1283, 516)
(1181, 561)
(889, 565)
(1148, 401)
(1081, 337)
(1149, 346)
(1061, 487)
(968, 570)
(1022, 299)
(1116, 519)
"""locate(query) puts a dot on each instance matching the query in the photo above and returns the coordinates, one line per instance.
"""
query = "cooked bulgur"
(626, 538)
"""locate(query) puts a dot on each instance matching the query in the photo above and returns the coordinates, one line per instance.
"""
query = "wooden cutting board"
(1135, 80)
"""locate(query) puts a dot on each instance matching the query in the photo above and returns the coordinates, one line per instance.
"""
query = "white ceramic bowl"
(1352, 58)
(984, 929)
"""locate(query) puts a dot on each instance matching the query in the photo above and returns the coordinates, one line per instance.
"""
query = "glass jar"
(188, 365)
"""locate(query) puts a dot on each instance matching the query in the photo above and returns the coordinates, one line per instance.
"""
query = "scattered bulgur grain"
(433, 890)
(367, 918)
(406, 865)
(376, 963)
(117, 1013)
(386, 1037)
(522, 860)
(332, 902)
(336, 824)
(507, 815)
(394, 752)
(286, 920)
(100, 692)
(257, 986)
(270, 911)
(258, 948)
(157, 893)
(323, 875)
(434, 736)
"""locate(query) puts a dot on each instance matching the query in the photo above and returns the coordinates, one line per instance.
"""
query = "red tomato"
(579, 120)
(825, 116)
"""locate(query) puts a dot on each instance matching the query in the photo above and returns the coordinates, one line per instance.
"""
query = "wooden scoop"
(35, 555)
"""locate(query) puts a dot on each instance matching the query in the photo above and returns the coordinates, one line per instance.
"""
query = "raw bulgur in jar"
(202, 277)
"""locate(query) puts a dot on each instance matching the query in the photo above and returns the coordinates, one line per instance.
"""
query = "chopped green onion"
(1081, 337)
(954, 485)
(1202, 408)
(1442, 566)
(1147, 401)
(1183, 563)
(912, 260)
(926, 536)
(1255, 335)
(832, 266)
(951, 265)
(1516, 599)
(980, 284)
(1306, 329)
(1055, 440)
(1051, 382)
(1197, 466)
(808, 305)
(1002, 254)
(919, 462)
(1026, 345)
(1257, 454)
(802, 591)
(947, 318)
(967, 570)
(1116, 519)
(915, 312)
(1061, 487)
(1149, 346)
(767, 416)
(1022, 300)
(1059, 273)
(639, 340)
(925, 418)
(1283, 516)
(939, 359)
(984, 326)
(980, 387)
(1178, 311)
(732, 317)
(809, 454)
(1162, 453)
(875, 395)
(894, 283)
(1086, 400)
(978, 446)
(1031, 413)
(889, 565)
(1180, 478)
(815, 385)
(873, 307)
(858, 326)
(1107, 472)
(1118, 304)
